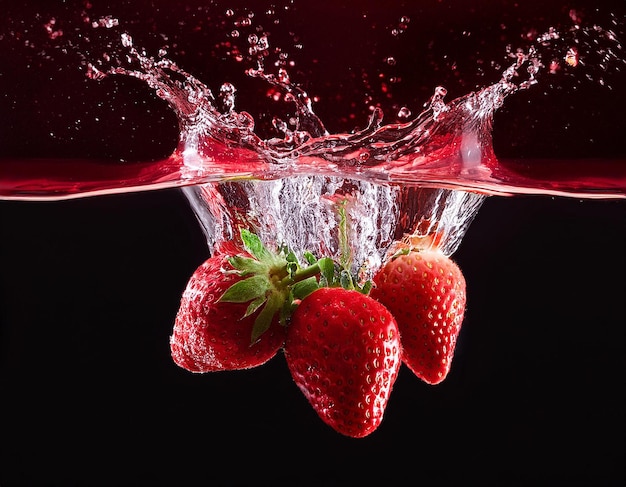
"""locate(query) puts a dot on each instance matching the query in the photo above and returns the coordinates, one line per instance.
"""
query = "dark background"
(89, 290)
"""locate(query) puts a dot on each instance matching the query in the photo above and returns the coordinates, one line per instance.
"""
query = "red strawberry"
(210, 335)
(343, 352)
(425, 292)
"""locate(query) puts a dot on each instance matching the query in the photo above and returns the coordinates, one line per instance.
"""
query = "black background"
(89, 290)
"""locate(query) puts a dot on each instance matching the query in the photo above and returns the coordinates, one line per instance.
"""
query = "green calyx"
(401, 252)
(275, 282)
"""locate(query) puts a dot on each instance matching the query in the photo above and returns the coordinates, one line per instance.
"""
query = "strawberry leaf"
(263, 321)
(403, 251)
(246, 290)
(327, 268)
(247, 265)
(291, 257)
(310, 258)
(366, 288)
(302, 289)
(292, 268)
(255, 246)
(345, 280)
(287, 309)
(254, 305)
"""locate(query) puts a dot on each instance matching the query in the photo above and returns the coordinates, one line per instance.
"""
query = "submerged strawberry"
(210, 335)
(343, 352)
(234, 309)
(425, 291)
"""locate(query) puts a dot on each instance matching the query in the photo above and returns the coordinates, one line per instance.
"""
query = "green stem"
(301, 275)
(345, 251)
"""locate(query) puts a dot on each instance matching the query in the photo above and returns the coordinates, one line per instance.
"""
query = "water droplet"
(94, 73)
(571, 57)
(51, 28)
(404, 112)
(575, 16)
(107, 22)
(227, 97)
(263, 43)
(554, 66)
(127, 40)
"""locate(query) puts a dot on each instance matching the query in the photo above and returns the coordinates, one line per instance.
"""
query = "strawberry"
(425, 291)
(234, 308)
(210, 335)
(343, 352)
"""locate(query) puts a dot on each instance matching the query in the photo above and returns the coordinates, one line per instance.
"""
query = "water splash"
(420, 180)
(447, 143)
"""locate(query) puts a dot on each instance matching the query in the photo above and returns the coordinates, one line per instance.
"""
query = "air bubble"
(107, 22)
(571, 58)
(127, 40)
(404, 112)
(51, 28)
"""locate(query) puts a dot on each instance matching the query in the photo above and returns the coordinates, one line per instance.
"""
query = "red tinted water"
(50, 179)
